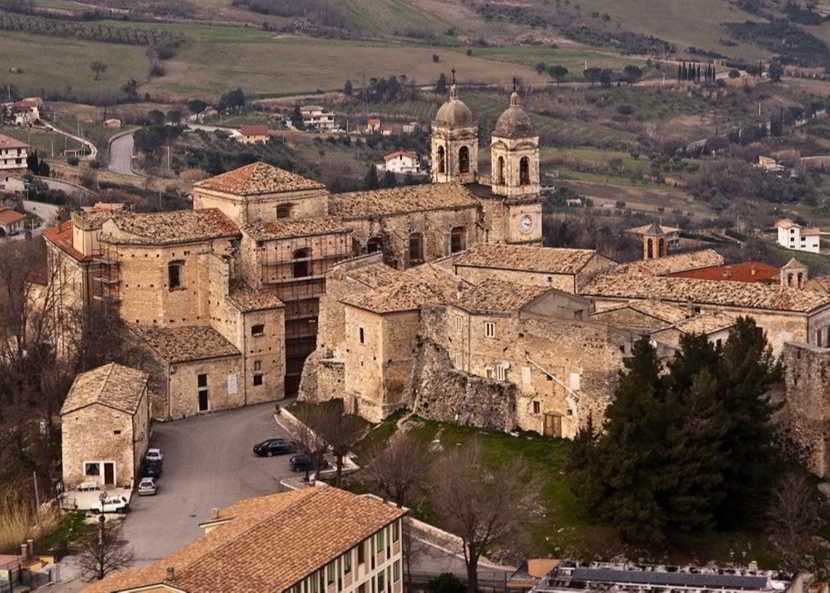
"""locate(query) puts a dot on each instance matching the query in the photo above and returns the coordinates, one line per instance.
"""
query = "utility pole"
(37, 496)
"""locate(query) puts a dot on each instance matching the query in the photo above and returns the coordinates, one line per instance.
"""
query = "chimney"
(214, 513)
(171, 573)
(24, 552)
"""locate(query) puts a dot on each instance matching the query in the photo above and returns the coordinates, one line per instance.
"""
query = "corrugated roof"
(400, 200)
(112, 385)
(183, 344)
(258, 178)
(714, 292)
(269, 544)
(550, 260)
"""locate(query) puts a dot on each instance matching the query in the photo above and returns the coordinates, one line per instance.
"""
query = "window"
(501, 372)
(488, 372)
(302, 263)
(362, 336)
(258, 330)
(464, 160)
(331, 572)
(441, 160)
(258, 380)
(374, 245)
(379, 537)
(347, 562)
(174, 275)
(489, 329)
(284, 211)
(416, 248)
(574, 381)
(202, 392)
(537, 407)
(500, 175)
(92, 469)
(257, 365)
(381, 583)
(818, 338)
(458, 239)
(396, 531)
(361, 553)
(396, 571)
(524, 171)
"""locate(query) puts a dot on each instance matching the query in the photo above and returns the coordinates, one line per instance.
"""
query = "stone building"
(105, 427)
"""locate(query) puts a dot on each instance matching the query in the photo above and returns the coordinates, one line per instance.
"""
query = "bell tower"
(655, 242)
(514, 153)
(454, 141)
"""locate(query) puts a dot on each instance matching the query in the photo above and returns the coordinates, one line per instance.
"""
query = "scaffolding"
(106, 278)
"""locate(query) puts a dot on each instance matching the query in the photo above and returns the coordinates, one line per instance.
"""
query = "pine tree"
(441, 84)
(389, 180)
(749, 370)
(371, 180)
(348, 89)
(31, 162)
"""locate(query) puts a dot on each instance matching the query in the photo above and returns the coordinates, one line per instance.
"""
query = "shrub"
(72, 161)
(625, 110)
(446, 583)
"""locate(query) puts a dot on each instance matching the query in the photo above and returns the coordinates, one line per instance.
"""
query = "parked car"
(111, 504)
(151, 469)
(273, 447)
(304, 463)
(147, 487)
(154, 455)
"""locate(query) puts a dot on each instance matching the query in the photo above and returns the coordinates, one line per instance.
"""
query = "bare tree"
(793, 519)
(487, 506)
(103, 551)
(340, 431)
(98, 68)
(309, 441)
(398, 469)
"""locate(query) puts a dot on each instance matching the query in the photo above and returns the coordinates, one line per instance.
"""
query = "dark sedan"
(273, 447)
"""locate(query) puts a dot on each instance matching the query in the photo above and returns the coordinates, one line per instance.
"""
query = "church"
(224, 298)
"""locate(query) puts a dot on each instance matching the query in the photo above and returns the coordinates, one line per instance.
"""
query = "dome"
(514, 122)
(454, 111)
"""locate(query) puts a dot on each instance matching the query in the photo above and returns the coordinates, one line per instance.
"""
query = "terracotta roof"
(9, 216)
(61, 237)
(93, 220)
(245, 298)
(713, 292)
(400, 153)
(641, 230)
(400, 200)
(269, 544)
(376, 275)
(405, 295)
(498, 297)
(9, 142)
(164, 228)
(254, 130)
(785, 223)
(742, 272)
(809, 232)
(112, 385)
(295, 227)
(256, 179)
(672, 264)
(439, 279)
(549, 260)
(183, 344)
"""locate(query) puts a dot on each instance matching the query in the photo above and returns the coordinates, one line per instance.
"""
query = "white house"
(316, 117)
(401, 162)
(794, 236)
(13, 154)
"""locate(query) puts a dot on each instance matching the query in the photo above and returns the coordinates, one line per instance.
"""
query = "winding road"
(93, 151)
(121, 154)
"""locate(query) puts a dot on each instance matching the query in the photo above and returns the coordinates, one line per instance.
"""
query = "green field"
(44, 141)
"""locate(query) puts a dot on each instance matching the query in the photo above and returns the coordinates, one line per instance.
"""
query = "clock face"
(525, 223)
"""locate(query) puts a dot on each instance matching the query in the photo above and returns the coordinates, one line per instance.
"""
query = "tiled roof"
(713, 292)
(706, 323)
(498, 297)
(399, 200)
(400, 153)
(256, 179)
(785, 223)
(530, 259)
(269, 544)
(376, 275)
(641, 230)
(440, 279)
(295, 227)
(183, 344)
(742, 272)
(672, 264)
(112, 385)
(9, 216)
(809, 232)
(9, 142)
(820, 285)
(61, 237)
(92, 220)
(664, 312)
(254, 130)
(404, 295)
(245, 298)
(162, 228)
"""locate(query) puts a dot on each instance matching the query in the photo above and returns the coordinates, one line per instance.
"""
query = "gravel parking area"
(208, 463)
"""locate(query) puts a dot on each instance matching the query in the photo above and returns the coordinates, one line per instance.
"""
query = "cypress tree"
(371, 180)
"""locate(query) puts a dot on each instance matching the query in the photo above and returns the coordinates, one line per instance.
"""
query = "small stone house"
(105, 424)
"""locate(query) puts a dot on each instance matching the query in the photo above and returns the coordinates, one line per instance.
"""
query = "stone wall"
(224, 380)
(803, 419)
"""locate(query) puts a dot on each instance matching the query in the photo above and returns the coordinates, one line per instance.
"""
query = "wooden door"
(553, 425)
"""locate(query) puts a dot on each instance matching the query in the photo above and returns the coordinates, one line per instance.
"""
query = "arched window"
(661, 247)
(416, 248)
(374, 245)
(649, 249)
(463, 160)
(524, 171)
(442, 160)
(302, 263)
(500, 173)
(458, 239)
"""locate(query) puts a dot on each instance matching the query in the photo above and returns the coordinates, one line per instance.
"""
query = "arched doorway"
(463, 160)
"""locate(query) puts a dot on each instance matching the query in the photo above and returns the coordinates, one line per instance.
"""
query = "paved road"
(121, 155)
(208, 464)
(93, 151)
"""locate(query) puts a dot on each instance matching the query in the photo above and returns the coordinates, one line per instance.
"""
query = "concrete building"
(105, 427)
(13, 155)
(401, 163)
(794, 236)
(317, 118)
(315, 540)
(254, 134)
